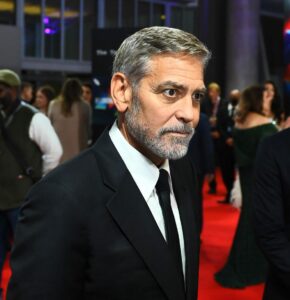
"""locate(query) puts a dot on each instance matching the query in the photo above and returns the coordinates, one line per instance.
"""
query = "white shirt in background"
(44, 135)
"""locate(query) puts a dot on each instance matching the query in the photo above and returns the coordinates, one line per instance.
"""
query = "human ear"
(121, 91)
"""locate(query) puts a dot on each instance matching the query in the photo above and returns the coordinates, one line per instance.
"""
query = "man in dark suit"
(225, 125)
(96, 227)
(211, 107)
(271, 201)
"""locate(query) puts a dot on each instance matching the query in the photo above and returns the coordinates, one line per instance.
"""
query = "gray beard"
(174, 147)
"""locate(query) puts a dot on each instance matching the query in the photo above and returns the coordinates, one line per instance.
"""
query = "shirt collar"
(143, 171)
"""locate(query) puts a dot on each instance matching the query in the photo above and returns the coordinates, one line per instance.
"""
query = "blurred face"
(6, 96)
(41, 102)
(87, 94)
(234, 97)
(213, 94)
(27, 94)
(269, 92)
(163, 113)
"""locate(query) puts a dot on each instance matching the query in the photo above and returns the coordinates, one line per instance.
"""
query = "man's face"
(213, 94)
(165, 108)
(6, 96)
(87, 94)
(27, 93)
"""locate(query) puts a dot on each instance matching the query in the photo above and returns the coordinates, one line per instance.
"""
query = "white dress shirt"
(145, 175)
(43, 134)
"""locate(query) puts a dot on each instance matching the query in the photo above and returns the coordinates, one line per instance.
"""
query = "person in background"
(87, 89)
(225, 126)
(246, 264)
(70, 116)
(211, 107)
(87, 92)
(271, 210)
(26, 92)
(29, 149)
(44, 95)
(273, 106)
(119, 220)
(201, 154)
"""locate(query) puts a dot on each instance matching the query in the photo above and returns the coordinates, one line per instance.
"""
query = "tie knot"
(162, 184)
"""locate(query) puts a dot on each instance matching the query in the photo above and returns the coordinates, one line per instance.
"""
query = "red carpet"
(5, 277)
(220, 221)
(219, 227)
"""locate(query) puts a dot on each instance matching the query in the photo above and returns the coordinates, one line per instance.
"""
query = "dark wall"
(273, 38)
(211, 20)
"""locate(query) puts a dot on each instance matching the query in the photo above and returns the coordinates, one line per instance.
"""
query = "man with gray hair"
(119, 221)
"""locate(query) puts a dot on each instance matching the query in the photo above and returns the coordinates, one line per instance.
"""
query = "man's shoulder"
(77, 178)
(275, 147)
(277, 141)
(28, 108)
(223, 105)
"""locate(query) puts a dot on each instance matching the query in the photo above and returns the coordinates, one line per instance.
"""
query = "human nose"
(188, 111)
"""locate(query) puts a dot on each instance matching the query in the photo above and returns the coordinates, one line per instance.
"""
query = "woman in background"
(246, 264)
(71, 118)
(272, 105)
(44, 95)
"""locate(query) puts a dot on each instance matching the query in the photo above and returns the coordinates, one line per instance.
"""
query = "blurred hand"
(230, 142)
(212, 121)
(215, 134)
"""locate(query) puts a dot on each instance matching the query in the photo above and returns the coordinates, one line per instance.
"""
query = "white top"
(43, 134)
(145, 175)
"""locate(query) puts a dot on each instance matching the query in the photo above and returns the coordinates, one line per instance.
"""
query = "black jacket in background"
(272, 211)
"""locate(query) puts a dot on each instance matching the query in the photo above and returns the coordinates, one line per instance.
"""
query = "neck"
(214, 100)
(267, 112)
(43, 110)
(12, 107)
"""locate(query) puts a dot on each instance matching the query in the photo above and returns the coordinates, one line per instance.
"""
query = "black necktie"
(163, 192)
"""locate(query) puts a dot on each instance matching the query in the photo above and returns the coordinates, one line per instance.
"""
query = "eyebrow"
(201, 90)
(175, 85)
(167, 84)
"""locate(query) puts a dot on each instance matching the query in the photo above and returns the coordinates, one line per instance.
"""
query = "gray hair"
(134, 54)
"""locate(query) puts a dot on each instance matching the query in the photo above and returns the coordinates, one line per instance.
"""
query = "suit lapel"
(133, 215)
(184, 198)
(131, 212)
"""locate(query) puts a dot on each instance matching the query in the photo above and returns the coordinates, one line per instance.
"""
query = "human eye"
(198, 96)
(170, 93)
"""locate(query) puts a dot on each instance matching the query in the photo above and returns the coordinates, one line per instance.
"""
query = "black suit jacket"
(201, 148)
(207, 108)
(85, 232)
(272, 211)
(225, 121)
